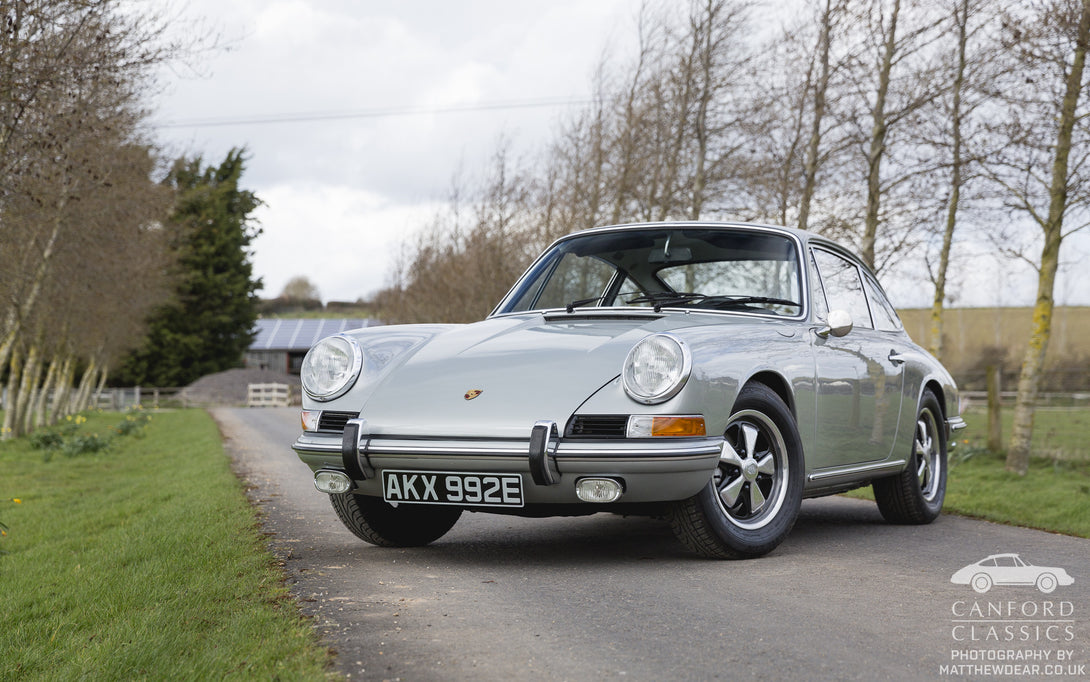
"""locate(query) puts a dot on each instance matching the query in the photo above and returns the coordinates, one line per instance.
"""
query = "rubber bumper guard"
(354, 431)
(542, 448)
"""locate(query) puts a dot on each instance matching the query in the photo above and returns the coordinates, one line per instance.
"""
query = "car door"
(858, 378)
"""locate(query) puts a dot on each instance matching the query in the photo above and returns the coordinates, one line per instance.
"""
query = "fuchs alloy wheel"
(408, 525)
(751, 503)
(915, 496)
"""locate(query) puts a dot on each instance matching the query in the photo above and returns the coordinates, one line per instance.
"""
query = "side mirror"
(838, 324)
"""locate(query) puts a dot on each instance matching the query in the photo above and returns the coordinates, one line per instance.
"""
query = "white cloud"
(341, 238)
(366, 181)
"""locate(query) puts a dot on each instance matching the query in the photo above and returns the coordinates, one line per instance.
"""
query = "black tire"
(751, 503)
(915, 496)
(408, 525)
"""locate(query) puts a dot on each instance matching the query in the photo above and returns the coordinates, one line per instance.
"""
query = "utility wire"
(303, 117)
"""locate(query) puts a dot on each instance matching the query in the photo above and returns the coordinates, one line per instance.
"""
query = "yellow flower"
(16, 500)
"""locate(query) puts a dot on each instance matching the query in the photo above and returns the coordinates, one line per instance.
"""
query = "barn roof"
(300, 334)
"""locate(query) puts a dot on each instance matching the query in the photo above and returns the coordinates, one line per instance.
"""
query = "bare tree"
(968, 77)
(1041, 166)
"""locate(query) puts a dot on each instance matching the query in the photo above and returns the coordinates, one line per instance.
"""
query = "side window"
(885, 317)
(843, 288)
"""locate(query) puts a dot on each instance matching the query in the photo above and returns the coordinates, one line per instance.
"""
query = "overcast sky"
(428, 87)
(379, 104)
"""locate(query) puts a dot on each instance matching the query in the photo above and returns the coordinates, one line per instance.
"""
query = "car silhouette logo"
(1010, 569)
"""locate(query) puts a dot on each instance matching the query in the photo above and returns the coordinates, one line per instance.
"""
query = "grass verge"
(142, 561)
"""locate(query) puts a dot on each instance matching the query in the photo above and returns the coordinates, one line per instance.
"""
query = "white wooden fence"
(268, 395)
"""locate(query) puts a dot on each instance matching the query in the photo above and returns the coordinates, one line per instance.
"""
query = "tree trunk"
(962, 18)
(64, 389)
(1034, 360)
(877, 150)
(995, 412)
(11, 409)
(41, 405)
(813, 146)
(28, 388)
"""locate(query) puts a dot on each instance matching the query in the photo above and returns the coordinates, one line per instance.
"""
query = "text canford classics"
(715, 374)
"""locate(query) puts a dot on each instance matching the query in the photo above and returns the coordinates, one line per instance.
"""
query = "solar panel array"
(300, 334)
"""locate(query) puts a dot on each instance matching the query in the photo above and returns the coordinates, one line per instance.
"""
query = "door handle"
(896, 358)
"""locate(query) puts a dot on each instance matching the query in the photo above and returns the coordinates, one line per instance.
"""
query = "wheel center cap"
(750, 471)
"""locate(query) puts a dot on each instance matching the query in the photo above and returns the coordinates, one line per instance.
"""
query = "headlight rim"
(351, 376)
(678, 383)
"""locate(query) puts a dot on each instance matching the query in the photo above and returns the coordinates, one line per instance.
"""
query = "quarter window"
(885, 317)
(843, 287)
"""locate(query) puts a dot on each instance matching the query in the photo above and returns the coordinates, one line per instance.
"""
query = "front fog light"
(333, 482)
(598, 489)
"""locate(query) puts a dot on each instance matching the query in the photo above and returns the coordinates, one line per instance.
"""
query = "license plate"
(448, 487)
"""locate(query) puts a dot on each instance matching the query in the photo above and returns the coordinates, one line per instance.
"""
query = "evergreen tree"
(209, 323)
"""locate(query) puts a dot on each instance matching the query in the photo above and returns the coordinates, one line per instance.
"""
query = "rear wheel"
(915, 496)
(1046, 583)
(751, 503)
(406, 525)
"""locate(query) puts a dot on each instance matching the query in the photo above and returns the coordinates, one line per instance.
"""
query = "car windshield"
(725, 269)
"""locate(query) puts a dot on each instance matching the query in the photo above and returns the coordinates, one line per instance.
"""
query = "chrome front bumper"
(652, 470)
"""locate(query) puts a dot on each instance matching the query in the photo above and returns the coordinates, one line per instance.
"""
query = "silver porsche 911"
(714, 374)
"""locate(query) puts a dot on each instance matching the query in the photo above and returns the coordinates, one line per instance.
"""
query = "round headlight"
(331, 367)
(656, 368)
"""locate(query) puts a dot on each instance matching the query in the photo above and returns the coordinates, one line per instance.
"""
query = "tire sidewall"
(933, 507)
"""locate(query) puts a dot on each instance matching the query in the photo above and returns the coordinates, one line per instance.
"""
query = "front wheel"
(915, 496)
(373, 520)
(751, 503)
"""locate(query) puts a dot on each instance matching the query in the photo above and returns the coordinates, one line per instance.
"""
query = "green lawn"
(143, 561)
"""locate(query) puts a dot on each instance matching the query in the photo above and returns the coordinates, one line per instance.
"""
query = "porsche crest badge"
(470, 395)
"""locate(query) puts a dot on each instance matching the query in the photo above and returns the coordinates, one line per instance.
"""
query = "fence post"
(995, 416)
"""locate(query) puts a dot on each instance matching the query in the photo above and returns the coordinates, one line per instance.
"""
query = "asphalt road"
(846, 596)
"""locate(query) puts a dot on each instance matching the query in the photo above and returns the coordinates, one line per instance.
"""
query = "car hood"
(522, 368)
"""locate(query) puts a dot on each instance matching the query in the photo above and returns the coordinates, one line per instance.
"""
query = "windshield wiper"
(570, 308)
(666, 298)
(743, 300)
(673, 298)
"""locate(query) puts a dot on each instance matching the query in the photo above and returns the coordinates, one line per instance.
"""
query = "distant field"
(976, 336)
